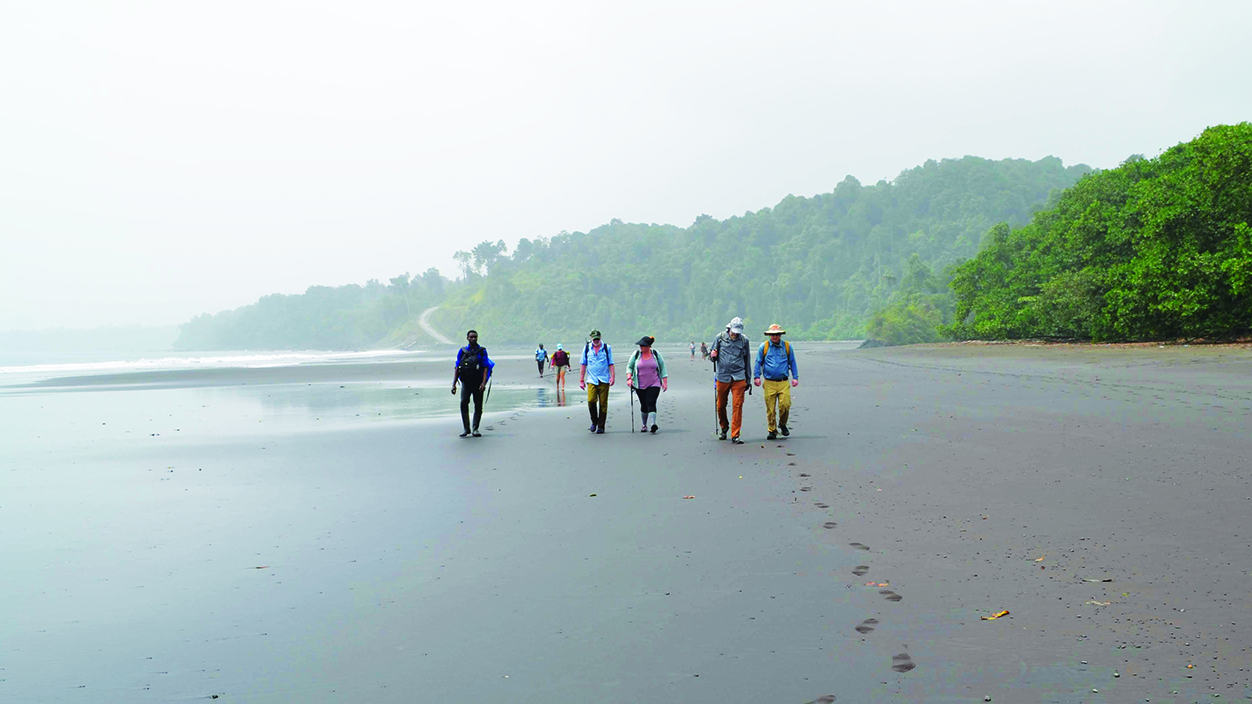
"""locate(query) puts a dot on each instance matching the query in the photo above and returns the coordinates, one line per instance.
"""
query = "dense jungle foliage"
(1154, 249)
(820, 266)
(824, 267)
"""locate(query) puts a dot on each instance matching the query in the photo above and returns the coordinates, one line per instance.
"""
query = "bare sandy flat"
(323, 538)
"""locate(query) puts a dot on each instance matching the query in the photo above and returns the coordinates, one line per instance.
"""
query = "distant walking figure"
(560, 362)
(646, 375)
(732, 356)
(541, 358)
(693, 350)
(775, 361)
(596, 377)
(473, 370)
(704, 350)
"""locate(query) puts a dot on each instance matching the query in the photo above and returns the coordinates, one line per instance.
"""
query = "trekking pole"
(717, 422)
(632, 410)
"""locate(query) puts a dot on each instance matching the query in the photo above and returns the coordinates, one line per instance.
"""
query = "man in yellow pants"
(776, 361)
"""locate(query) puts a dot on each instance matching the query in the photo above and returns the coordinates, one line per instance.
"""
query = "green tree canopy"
(1154, 249)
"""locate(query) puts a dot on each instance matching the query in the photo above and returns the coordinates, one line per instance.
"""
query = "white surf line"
(424, 321)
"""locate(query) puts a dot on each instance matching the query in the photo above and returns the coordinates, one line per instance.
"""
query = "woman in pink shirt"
(646, 375)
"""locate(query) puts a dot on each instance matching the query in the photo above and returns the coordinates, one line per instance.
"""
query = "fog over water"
(166, 160)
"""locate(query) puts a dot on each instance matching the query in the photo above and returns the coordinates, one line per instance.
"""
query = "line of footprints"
(901, 662)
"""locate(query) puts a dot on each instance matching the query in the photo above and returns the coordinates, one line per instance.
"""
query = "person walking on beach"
(776, 361)
(732, 356)
(560, 362)
(597, 375)
(473, 369)
(541, 358)
(693, 350)
(704, 350)
(645, 373)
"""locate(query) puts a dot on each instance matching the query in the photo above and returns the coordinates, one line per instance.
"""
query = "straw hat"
(775, 329)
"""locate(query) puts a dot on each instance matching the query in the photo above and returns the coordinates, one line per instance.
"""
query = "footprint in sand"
(491, 427)
(828, 699)
(858, 546)
(829, 524)
(821, 505)
(867, 626)
(860, 570)
(806, 488)
(902, 662)
(890, 595)
(789, 464)
(791, 454)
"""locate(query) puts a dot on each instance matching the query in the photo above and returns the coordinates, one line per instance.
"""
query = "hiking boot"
(772, 436)
(736, 441)
(592, 428)
(465, 434)
(476, 434)
(600, 430)
(654, 428)
(784, 430)
(722, 435)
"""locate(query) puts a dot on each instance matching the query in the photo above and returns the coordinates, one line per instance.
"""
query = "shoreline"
(541, 562)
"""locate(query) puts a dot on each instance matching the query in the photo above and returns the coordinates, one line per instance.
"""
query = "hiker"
(560, 362)
(473, 369)
(775, 361)
(596, 377)
(693, 350)
(704, 350)
(732, 358)
(541, 358)
(645, 373)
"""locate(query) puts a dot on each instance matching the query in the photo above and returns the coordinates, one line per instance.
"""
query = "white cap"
(736, 324)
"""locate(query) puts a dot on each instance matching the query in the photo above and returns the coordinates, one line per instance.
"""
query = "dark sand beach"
(321, 534)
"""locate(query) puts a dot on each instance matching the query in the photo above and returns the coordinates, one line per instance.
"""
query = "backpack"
(608, 351)
(765, 346)
(471, 362)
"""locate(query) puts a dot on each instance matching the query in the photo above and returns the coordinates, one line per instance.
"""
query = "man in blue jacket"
(776, 361)
(473, 370)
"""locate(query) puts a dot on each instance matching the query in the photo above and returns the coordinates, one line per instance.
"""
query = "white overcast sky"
(163, 159)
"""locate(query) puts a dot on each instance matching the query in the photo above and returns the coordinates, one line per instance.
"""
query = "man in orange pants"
(732, 354)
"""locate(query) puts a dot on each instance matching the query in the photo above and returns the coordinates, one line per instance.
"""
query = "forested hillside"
(323, 317)
(820, 266)
(1155, 249)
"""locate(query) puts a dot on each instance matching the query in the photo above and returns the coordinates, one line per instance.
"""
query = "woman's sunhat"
(775, 329)
(559, 347)
(646, 341)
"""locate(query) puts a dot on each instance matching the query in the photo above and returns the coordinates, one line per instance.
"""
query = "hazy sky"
(163, 159)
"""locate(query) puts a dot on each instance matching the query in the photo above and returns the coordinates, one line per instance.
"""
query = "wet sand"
(387, 560)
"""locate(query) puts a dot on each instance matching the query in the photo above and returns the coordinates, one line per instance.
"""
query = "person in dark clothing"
(473, 370)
